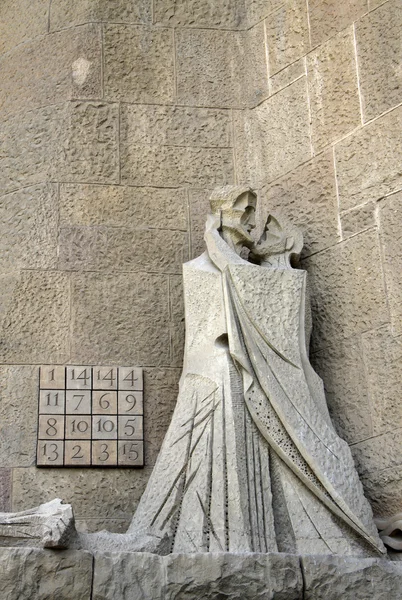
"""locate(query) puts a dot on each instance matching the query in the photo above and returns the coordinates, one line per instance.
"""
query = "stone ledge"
(34, 574)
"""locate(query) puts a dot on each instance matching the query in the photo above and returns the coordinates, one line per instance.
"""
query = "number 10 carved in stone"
(90, 416)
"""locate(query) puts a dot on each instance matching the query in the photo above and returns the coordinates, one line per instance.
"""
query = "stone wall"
(117, 118)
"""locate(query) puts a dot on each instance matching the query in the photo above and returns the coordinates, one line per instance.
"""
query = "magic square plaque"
(90, 417)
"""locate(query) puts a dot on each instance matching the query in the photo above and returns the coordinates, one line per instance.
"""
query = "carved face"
(239, 220)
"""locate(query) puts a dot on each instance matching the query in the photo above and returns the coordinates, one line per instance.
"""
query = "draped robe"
(251, 461)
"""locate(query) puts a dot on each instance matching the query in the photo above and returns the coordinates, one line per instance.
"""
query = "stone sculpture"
(251, 461)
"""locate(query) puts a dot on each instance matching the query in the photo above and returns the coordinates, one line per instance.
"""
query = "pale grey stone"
(49, 525)
(31, 242)
(384, 489)
(287, 35)
(287, 75)
(332, 578)
(378, 452)
(330, 16)
(273, 138)
(259, 9)
(334, 100)
(36, 574)
(121, 206)
(368, 162)
(69, 64)
(390, 530)
(347, 289)
(221, 68)
(358, 219)
(390, 220)
(198, 208)
(75, 12)
(378, 38)
(35, 326)
(93, 524)
(34, 23)
(139, 64)
(200, 13)
(5, 489)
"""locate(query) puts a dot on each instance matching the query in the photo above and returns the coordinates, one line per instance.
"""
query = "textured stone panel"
(89, 152)
(120, 318)
(5, 489)
(200, 13)
(368, 163)
(259, 9)
(199, 207)
(307, 196)
(287, 35)
(66, 14)
(122, 249)
(287, 76)
(383, 357)
(35, 328)
(176, 126)
(177, 331)
(122, 576)
(176, 298)
(19, 408)
(390, 217)
(327, 17)
(341, 367)
(221, 68)
(100, 493)
(273, 138)
(52, 69)
(332, 82)
(93, 525)
(358, 219)
(347, 289)
(15, 30)
(118, 206)
(176, 166)
(372, 4)
(160, 388)
(379, 45)
(139, 64)
(35, 574)
(332, 578)
(378, 453)
(31, 240)
(384, 490)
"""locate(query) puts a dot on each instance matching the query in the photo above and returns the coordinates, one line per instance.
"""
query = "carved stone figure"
(251, 461)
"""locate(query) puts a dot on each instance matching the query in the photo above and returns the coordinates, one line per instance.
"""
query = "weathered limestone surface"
(334, 98)
(327, 17)
(34, 23)
(75, 12)
(287, 75)
(5, 489)
(198, 208)
(200, 13)
(358, 219)
(121, 576)
(34, 574)
(378, 36)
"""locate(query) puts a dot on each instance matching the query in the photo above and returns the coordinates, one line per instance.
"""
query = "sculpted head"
(235, 207)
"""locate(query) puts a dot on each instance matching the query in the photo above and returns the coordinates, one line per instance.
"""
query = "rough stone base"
(34, 574)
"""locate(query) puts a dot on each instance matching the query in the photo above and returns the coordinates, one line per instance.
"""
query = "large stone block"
(176, 126)
(333, 577)
(287, 35)
(200, 13)
(65, 65)
(221, 68)
(199, 208)
(368, 162)
(18, 410)
(122, 249)
(378, 453)
(21, 20)
(383, 357)
(333, 92)
(122, 576)
(93, 493)
(341, 367)
(259, 9)
(118, 206)
(160, 393)
(5, 489)
(35, 327)
(75, 12)
(390, 217)
(378, 37)
(120, 318)
(139, 64)
(327, 17)
(384, 490)
(307, 196)
(172, 166)
(31, 240)
(357, 219)
(35, 574)
(273, 138)
(287, 75)
(347, 290)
